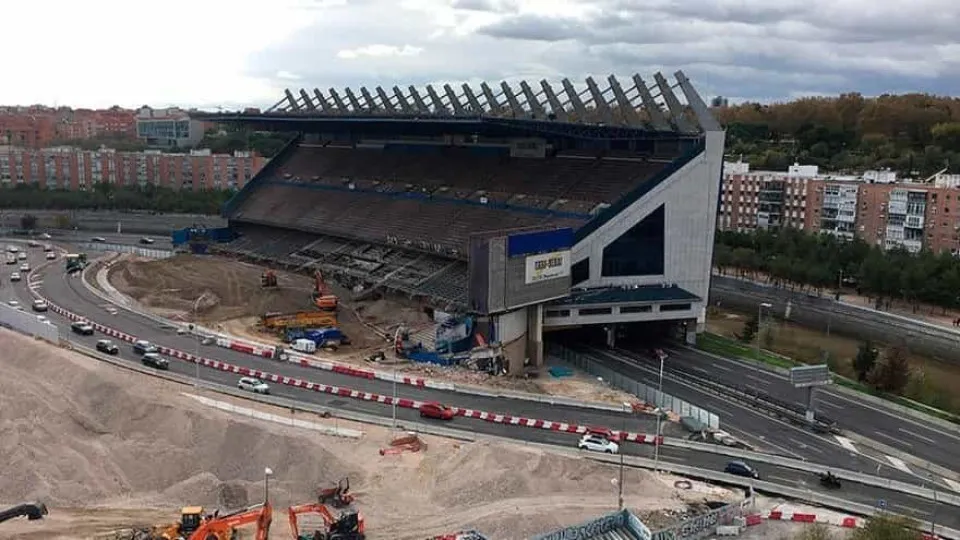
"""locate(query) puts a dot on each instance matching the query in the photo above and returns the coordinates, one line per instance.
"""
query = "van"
(304, 346)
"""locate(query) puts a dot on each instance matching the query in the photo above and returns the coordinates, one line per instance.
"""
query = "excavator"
(337, 496)
(323, 298)
(32, 511)
(268, 279)
(348, 526)
(194, 525)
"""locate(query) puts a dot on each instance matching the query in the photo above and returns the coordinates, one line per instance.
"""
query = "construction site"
(278, 307)
(115, 454)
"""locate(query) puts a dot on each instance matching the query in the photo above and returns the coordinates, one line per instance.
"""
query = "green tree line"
(105, 196)
(911, 134)
(793, 259)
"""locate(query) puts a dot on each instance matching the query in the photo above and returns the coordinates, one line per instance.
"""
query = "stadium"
(525, 211)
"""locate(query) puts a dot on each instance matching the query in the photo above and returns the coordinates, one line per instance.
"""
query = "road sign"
(807, 376)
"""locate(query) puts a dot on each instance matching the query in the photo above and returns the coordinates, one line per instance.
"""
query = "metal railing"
(645, 393)
(150, 253)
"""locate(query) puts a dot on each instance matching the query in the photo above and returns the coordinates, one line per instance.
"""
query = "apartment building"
(169, 128)
(75, 169)
(39, 126)
(874, 207)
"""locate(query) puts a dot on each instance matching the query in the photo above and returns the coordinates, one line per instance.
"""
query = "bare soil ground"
(107, 448)
(233, 302)
(805, 345)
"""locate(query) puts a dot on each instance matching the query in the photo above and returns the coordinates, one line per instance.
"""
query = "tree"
(62, 221)
(892, 373)
(865, 360)
(887, 527)
(750, 328)
(28, 222)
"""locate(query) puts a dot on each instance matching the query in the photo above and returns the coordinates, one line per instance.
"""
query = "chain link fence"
(647, 394)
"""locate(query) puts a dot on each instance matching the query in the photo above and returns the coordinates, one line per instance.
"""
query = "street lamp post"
(267, 473)
(659, 411)
(760, 308)
(623, 433)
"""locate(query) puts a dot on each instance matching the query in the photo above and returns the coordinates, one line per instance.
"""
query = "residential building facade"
(73, 169)
(169, 128)
(874, 207)
(39, 127)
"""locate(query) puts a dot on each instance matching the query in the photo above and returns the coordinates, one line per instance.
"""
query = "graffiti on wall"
(699, 526)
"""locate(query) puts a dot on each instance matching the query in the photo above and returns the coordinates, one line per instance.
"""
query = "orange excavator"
(348, 526)
(193, 525)
(337, 496)
(268, 279)
(323, 298)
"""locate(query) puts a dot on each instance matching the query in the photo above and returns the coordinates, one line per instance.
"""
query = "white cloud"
(381, 51)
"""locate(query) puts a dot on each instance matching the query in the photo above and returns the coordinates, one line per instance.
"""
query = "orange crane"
(349, 526)
(323, 298)
(223, 527)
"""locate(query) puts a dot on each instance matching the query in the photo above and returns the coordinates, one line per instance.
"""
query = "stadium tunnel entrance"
(629, 335)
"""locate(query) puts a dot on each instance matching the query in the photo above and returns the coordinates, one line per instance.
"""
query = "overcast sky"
(211, 53)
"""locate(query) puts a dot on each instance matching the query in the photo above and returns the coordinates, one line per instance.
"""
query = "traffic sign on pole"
(807, 376)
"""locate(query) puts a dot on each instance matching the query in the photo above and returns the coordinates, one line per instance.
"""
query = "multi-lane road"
(72, 295)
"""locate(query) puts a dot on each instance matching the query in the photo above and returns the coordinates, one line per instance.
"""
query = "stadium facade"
(528, 210)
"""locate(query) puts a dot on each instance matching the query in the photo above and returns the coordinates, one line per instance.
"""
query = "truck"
(76, 262)
(300, 319)
(321, 337)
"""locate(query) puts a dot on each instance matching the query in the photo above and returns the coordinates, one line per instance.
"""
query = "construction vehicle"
(32, 511)
(323, 338)
(347, 526)
(268, 279)
(76, 262)
(323, 298)
(194, 525)
(300, 319)
(337, 496)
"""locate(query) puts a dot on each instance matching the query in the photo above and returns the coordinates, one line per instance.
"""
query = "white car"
(25, 267)
(12, 249)
(15, 276)
(42, 318)
(13, 303)
(22, 256)
(254, 385)
(595, 443)
(51, 255)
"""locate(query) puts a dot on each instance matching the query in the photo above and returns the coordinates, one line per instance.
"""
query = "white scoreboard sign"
(544, 266)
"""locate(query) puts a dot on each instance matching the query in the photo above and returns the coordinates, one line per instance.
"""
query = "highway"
(924, 440)
(72, 295)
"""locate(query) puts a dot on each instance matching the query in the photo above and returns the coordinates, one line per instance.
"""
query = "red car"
(432, 409)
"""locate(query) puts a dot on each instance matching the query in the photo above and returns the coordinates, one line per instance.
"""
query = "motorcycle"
(829, 481)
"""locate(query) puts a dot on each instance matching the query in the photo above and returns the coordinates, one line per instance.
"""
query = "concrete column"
(611, 330)
(535, 335)
(692, 328)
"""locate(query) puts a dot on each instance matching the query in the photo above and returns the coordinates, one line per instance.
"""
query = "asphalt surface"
(71, 294)
(923, 440)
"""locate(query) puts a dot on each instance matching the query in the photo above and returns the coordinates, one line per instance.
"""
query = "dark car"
(143, 347)
(432, 409)
(82, 327)
(154, 360)
(739, 468)
(107, 346)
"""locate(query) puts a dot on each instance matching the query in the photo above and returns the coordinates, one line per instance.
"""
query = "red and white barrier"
(639, 438)
(847, 522)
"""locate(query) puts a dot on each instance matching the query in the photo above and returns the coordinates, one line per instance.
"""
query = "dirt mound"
(225, 289)
(74, 434)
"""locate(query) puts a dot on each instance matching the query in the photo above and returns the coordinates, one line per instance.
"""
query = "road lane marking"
(758, 379)
(917, 435)
(700, 369)
(892, 414)
(915, 511)
(805, 446)
(722, 368)
(782, 479)
(892, 438)
(898, 463)
(846, 443)
(821, 401)
(954, 485)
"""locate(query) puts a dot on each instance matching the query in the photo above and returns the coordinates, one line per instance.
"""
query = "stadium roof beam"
(472, 99)
(354, 102)
(402, 100)
(321, 101)
(438, 106)
(558, 111)
(650, 105)
(533, 101)
(385, 100)
(305, 98)
(419, 105)
(673, 104)
(371, 104)
(454, 100)
(574, 99)
(623, 103)
(341, 108)
(598, 101)
(292, 100)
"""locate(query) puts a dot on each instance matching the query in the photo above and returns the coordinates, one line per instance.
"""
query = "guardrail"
(649, 395)
(935, 495)
(149, 253)
(702, 474)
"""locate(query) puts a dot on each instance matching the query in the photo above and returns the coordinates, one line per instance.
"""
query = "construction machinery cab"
(190, 519)
(268, 279)
(337, 496)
